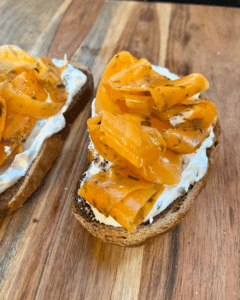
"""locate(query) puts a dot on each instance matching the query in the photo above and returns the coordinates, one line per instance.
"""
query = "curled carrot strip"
(13, 57)
(106, 189)
(165, 169)
(172, 92)
(102, 149)
(104, 98)
(122, 135)
(27, 83)
(140, 145)
(183, 140)
(153, 145)
(17, 126)
(46, 72)
(139, 103)
(133, 209)
(23, 104)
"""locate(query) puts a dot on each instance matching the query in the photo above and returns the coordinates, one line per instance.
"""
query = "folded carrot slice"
(16, 71)
(139, 103)
(138, 144)
(122, 135)
(132, 209)
(140, 77)
(119, 62)
(204, 115)
(14, 53)
(50, 77)
(104, 190)
(3, 113)
(166, 169)
(104, 101)
(105, 151)
(3, 76)
(165, 93)
(136, 78)
(58, 94)
(174, 91)
(183, 106)
(23, 104)
(46, 72)
(183, 140)
(153, 145)
(155, 122)
(17, 126)
(13, 56)
(136, 75)
(27, 83)
(145, 209)
(137, 117)
(187, 136)
(168, 163)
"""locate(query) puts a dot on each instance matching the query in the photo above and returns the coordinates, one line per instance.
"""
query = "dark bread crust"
(15, 196)
(162, 223)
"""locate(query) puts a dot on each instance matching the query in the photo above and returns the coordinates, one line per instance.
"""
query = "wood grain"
(193, 39)
(22, 22)
(88, 51)
(44, 252)
(74, 27)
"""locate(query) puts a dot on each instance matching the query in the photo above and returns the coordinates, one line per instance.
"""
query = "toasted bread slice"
(162, 223)
(15, 196)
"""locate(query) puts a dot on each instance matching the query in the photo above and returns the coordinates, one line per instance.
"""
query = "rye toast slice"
(162, 223)
(15, 196)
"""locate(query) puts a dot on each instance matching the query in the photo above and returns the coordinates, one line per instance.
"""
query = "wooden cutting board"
(44, 252)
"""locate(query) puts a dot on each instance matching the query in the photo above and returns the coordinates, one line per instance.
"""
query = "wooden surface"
(44, 252)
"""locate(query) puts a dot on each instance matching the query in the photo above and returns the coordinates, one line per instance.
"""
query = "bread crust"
(162, 223)
(15, 196)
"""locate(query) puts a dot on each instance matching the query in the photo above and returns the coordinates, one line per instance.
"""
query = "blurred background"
(233, 3)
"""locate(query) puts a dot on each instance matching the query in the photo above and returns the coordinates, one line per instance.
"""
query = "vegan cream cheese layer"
(46, 88)
(149, 135)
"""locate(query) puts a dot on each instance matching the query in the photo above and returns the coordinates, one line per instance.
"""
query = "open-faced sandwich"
(39, 97)
(151, 150)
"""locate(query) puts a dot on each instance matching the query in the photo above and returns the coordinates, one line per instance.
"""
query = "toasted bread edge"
(15, 196)
(162, 223)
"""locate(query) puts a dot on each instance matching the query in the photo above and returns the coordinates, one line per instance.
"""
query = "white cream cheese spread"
(178, 119)
(7, 150)
(194, 168)
(43, 129)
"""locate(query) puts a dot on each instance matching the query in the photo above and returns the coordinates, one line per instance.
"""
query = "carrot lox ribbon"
(110, 187)
(138, 144)
(23, 97)
(187, 136)
(121, 195)
(133, 209)
(131, 85)
(137, 133)
(24, 104)
(165, 169)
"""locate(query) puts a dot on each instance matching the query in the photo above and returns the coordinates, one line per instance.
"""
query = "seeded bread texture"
(15, 196)
(162, 223)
